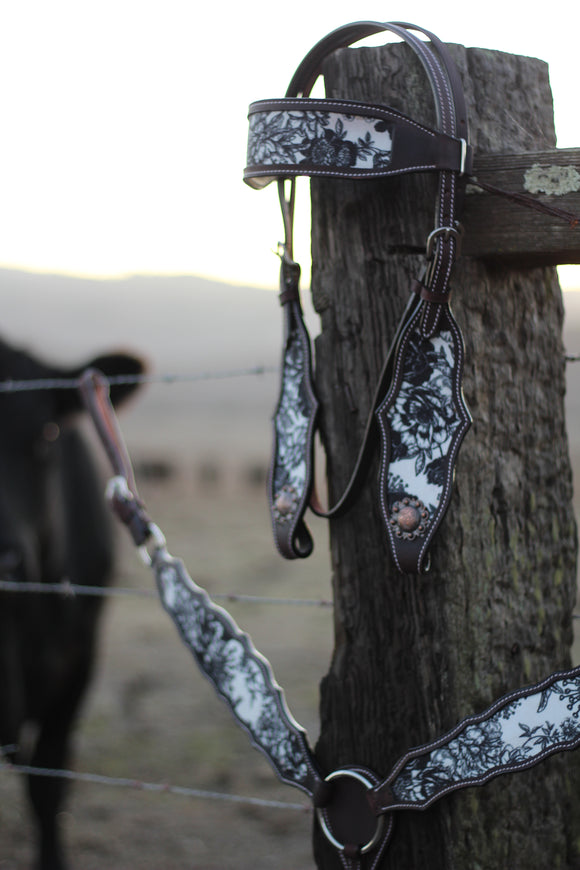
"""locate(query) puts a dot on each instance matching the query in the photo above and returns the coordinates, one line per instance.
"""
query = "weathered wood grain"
(497, 228)
(414, 655)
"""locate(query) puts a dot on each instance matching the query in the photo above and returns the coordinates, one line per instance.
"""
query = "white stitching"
(371, 110)
(370, 173)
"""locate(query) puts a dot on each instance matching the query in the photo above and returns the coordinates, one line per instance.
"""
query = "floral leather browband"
(341, 138)
(418, 410)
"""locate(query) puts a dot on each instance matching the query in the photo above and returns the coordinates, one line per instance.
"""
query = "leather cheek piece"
(290, 477)
(343, 139)
(423, 419)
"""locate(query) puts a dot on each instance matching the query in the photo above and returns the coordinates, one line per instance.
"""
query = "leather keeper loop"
(429, 295)
(380, 799)
(321, 794)
(290, 295)
(289, 281)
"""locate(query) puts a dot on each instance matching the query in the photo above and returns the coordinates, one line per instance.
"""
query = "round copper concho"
(285, 503)
(409, 518)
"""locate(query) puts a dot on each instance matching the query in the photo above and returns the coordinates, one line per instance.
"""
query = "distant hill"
(178, 321)
(182, 325)
(185, 325)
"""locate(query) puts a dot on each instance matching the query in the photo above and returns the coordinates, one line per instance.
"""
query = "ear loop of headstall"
(420, 430)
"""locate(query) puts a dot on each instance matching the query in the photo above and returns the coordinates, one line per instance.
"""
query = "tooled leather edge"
(294, 422)
(410, 523)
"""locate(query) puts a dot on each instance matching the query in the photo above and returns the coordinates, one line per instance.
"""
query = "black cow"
(54, 526)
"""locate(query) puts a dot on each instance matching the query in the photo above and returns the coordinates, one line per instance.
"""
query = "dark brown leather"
(429, 295)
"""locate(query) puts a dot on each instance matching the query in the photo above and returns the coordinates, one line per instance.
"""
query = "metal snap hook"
(154, 547)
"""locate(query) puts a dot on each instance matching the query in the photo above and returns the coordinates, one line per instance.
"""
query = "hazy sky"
(124, 122)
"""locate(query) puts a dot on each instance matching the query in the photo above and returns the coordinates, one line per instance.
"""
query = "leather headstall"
(418, 408)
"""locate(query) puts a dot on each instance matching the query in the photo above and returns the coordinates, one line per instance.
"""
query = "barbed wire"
(139, 785)
(71, 590)
(67, 589)
(28, 385)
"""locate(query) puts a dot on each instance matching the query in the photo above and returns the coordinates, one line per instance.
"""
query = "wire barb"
(572, 219)
(12, 386)
(66, 588)
(138, 785)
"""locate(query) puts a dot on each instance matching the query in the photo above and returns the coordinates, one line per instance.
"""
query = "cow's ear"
(117, 365)
(111, 365)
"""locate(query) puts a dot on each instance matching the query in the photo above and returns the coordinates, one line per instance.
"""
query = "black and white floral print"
(516, 735)
(292, 420)
(238, 672)
(423, 419)
(318, 138)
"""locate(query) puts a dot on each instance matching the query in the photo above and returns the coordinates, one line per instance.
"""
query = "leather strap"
(292, 468)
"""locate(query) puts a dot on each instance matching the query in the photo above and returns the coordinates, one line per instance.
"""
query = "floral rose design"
(330, 150)
(308, 139)
(292, 421)
(239, 674)
(423, 419)
(518, 734)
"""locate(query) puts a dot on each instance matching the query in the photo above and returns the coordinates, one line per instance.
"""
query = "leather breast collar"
(418, 410)
(355, 806)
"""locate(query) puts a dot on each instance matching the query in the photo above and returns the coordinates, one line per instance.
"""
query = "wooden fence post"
(414, 655)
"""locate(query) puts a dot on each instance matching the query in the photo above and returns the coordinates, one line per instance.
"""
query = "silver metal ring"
(353, 774)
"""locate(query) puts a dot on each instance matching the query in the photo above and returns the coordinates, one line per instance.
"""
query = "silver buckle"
(446, 232)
